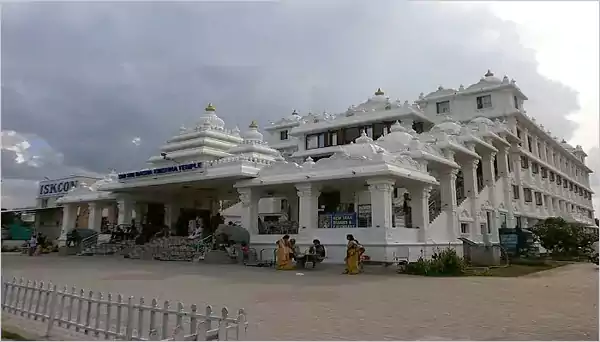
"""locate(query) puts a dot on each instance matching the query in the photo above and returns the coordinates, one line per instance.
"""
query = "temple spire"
(379, 92)
(210, 108)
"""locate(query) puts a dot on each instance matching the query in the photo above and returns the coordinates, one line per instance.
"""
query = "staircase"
(435, 204)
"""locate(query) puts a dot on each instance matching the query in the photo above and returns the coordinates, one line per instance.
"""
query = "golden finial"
(379, 92)
(210, 108)
(489, 73)
(253, 124)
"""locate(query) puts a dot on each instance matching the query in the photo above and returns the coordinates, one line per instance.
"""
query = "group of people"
(289, 255)
(288, 252)
(36, 243)
(120, 233)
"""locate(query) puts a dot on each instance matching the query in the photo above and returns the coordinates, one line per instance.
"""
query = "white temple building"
(455, 163)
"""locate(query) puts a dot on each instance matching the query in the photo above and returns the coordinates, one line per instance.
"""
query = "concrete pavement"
(322, 304)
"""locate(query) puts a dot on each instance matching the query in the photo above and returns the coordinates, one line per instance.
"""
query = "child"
(245, 253)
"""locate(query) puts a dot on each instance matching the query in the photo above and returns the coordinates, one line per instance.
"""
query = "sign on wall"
(57, 188)
(337, 220)
(161, 171)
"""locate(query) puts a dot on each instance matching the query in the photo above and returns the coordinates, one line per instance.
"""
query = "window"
(515, 189)
(503, 220)
(516, 100)
(551, 176)
(524, 162)
(378, 130)
(539, 149)
(527, 194)
(538, 198)
(518, 133)
(44, 203)
(350, 134)
(333, 139)
(464, 228)
(535, 168)
(484, 102)
(283, 135)
(418, 127)
(369, 131)
(284, 205)
(558, 179)
(529, 143)
(544, 172)
(443, 107)
(566, 184)
(315, 141)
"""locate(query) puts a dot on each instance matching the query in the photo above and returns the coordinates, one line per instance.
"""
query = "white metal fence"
(112, 317)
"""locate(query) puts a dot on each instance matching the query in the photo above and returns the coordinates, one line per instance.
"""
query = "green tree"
(562, 238)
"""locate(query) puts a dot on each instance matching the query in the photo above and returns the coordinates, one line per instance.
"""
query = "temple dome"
(210, 118)
(364, 148)
(398, 139)
(252, 134)
(480, 120)
(448, 126)
(486, 81)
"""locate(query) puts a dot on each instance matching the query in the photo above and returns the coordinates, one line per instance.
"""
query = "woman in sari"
(284, 262)
(352, 256)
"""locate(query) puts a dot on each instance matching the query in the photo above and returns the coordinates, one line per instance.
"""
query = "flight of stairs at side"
(435, 204)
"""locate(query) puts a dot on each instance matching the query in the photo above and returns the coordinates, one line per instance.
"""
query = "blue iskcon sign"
(161, 171)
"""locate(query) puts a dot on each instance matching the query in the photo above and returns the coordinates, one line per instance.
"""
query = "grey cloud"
(88, 77)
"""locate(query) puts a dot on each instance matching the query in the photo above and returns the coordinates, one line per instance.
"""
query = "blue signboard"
(161, 171)
(337, 220)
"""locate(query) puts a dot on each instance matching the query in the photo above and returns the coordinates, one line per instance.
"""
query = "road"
(560, 304)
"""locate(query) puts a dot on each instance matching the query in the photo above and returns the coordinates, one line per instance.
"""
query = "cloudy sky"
(87, 87)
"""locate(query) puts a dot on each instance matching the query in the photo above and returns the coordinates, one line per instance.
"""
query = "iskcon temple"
(399, 176)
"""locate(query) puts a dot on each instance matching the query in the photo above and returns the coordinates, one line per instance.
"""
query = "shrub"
(442, 263)
(564, 239)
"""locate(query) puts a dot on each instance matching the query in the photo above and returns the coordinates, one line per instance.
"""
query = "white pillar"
(420, 210)
(293, 202)
(171, 215)
(125, 207)
(469, 170)
(68, 221)
(489, 179)
(112, 213)
(140, 209)
(249, 198)
(381, 190)
(95, 216)
(449, 203)
(308, 199)
(508, 189)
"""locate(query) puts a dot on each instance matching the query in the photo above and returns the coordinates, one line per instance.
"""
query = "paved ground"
(561, 304)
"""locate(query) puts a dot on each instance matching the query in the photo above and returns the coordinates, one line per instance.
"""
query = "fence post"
(30, 313)
(40, 290)
(179, 316)
(79, 308)
(17, 297)
(51, 310)
(207, 321)
(129, 326)
(46, 301)
(5, 294)
(223, 324)
(108, 313)
(140, 318)
(25, 292)
(193, 321)
(61, 306)
(119, 312)
(242, 325)
(88, 312)
(71, 302)
(97, 320)
(165, 320)
(152, 327)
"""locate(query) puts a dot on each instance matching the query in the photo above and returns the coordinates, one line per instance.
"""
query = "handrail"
(87, 242)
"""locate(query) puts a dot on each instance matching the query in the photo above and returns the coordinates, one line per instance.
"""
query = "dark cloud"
(89, 77)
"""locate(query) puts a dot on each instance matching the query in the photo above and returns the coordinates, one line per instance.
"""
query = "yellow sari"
(352, 258)
(283, 256)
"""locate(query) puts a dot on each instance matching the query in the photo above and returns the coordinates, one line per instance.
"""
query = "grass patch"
(7, 335)
(520, 268)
